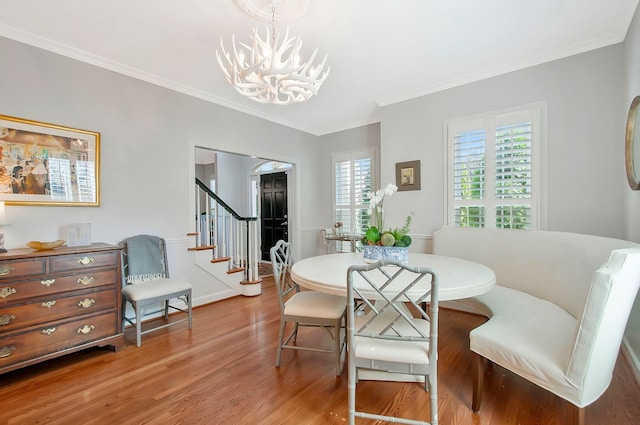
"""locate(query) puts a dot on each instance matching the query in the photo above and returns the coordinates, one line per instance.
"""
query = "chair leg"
(280, 341)
(138, 325)
(295, 334)
(124, 313)
(478, 382)
(352, 379)
(433, 396)
(337, 346)
(575, 414)
(189, 308)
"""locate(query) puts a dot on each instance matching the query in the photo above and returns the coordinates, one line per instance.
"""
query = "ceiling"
(380, 51)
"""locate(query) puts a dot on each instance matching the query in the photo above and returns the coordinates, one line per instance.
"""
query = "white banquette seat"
(559, 309)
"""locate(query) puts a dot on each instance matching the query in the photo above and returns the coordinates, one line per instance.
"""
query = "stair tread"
(201, 248)
(236, 270)
(220, 260)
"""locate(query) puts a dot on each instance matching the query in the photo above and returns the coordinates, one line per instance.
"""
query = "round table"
(458, 278)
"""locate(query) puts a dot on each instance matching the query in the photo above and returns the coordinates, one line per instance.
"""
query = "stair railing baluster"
(232, 235)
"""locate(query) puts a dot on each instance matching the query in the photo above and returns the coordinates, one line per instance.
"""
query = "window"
(353, 175)
(494, 170)
(268, 166)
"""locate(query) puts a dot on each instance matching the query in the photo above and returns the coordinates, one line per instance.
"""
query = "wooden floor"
(223, 372)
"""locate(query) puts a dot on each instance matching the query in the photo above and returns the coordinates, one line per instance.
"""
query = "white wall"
(631, 204)
(233, 181)
(148, 134)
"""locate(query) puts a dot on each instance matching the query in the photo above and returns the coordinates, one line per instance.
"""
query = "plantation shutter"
(492, 171)
(352, 183)
(343, 191)
(469, 178)
(513, 184)
(362, 187)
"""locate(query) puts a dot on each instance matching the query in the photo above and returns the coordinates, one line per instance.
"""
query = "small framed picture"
(408, 175)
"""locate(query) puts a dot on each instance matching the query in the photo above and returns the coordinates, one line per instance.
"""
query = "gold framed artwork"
(408, 175)
(48, 164)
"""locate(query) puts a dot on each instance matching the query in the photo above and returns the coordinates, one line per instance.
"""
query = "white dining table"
(457, 278)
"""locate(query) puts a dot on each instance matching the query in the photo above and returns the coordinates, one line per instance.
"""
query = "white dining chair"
(306, 308)
(393, 329)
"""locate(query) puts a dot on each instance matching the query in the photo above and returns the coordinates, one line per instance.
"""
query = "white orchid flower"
(390, 189)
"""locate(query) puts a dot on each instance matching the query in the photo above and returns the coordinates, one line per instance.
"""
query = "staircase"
(225, 244)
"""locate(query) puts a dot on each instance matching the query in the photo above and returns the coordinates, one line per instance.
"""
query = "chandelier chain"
(273, 24)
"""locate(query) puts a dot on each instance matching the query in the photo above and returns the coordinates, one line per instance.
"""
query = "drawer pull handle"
(6, 318)
(85, 260)
(47, 282)
(86, 303)
(6, 291)
(48, 304)
(85, 280)
(5, 270)
(6, 351)
(48, 331)
(86, 329)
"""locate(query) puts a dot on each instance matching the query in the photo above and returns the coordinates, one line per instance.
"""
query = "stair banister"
(233, 233)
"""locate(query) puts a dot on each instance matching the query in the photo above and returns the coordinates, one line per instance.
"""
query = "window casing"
(352, 181)
(494, 170)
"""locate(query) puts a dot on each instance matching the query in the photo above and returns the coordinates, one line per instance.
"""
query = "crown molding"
(101, 62)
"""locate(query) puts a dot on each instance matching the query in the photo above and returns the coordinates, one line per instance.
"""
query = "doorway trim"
(293, 185)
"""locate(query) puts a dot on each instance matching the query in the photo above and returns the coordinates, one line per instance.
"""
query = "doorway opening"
(252, 187)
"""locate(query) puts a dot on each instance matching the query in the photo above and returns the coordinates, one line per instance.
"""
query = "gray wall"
(587, 96)
(584, 140)
(631, 205)
(148, 135)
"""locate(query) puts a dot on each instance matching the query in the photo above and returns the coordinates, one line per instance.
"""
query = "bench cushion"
(527, 335)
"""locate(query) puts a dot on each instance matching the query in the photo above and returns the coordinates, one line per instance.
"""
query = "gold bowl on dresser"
(44, 246)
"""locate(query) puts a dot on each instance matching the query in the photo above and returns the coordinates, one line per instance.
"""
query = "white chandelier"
(268, 71)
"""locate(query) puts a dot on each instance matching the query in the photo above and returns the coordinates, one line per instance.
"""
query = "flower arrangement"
(378, 235)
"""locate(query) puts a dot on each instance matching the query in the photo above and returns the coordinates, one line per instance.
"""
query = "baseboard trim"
(632, 359)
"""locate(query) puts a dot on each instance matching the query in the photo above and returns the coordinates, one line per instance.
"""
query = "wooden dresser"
(59, 301)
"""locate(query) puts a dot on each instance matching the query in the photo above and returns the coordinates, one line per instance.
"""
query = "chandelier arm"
(271, 70)
(309, 63)
(226, 54)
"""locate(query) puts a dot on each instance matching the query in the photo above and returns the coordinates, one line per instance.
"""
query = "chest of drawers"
(56, 302)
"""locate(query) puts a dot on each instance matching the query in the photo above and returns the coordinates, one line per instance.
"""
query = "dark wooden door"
(274, 216)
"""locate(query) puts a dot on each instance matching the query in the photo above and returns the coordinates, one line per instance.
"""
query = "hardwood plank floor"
(222, 372)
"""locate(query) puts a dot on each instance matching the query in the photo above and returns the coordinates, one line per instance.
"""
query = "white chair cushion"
(155, 288)
(315, 304)
(377, 349)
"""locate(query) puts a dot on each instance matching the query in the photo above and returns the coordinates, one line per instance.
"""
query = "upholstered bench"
(559, 309)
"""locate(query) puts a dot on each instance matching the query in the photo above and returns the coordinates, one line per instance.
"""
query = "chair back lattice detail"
(281, 261)
(302, 309)
(392, 326)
